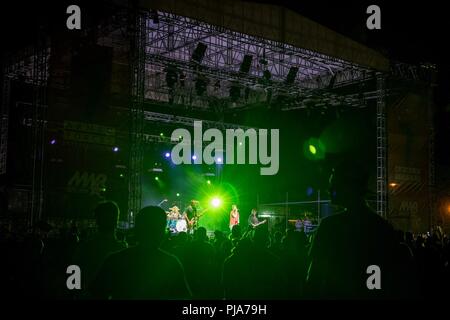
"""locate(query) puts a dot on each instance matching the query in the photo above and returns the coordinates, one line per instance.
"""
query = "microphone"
(165, 200)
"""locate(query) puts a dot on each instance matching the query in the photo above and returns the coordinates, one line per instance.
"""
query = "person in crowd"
(144, 271)
(93, 252)
(346, 245)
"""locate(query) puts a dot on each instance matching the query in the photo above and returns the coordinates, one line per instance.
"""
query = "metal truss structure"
(29, 66)
(6, 89)
(432, 194)
(188, 121)
(381, 201)
(179, 61)
(206, 81)
(39, 116)
(216, 76)
(136, 155)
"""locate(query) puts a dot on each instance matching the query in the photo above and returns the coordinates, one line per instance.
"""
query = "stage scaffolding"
(159, 42)
(138, 39)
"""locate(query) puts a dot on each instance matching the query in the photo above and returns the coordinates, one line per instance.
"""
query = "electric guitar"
(254, 226)
(192, 223)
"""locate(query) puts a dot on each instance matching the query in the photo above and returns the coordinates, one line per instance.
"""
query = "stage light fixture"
(246, 64)
(215, 202)
(393, 184)
(167, 155)
(200, 85)
(157, 178)
(154, 16)
(314, 149)
(115, 149)
(332, 81)
(235, 92)
(171, 76)
(199, 52)
(292, 74)
(267, 75)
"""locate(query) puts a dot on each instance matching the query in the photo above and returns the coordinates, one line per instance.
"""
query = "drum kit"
(306, 223)
(175, 221)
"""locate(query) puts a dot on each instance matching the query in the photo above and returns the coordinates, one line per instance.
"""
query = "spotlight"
(178, 194)
(219, 160)
(157, 178)
(53, 142)
(167, 155)
(161, 134)
(314, 149)
(208, 182)
(393, 184)
(121, 175)
(115, 149)
(215, 202)
(194, 157)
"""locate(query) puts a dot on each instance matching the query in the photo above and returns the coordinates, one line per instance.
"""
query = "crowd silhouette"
(247, 263)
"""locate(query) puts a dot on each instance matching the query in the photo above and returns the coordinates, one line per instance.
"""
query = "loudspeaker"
(91, 79)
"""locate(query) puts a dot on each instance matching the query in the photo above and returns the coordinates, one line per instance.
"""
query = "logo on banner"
(409, 206)
(86, 182)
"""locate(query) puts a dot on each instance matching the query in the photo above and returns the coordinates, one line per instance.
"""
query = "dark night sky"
(411, 32)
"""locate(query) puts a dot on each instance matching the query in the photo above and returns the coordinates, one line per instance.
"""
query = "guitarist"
(191, 215)
(253, 220)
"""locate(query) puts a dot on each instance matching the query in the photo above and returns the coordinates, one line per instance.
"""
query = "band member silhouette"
(253, 220)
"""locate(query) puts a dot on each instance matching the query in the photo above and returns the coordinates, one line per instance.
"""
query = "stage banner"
(89, 133)
(408, 163)
(79, 175)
